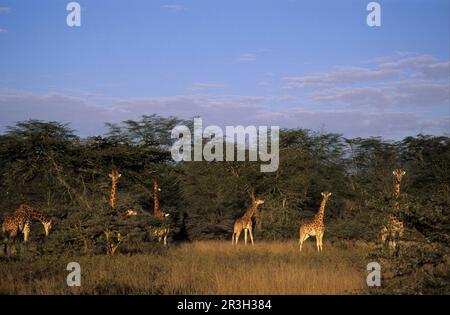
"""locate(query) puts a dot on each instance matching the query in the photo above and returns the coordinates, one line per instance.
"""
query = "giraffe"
(129, 213)
(115, 175)
(20, 221)
(111, 245)
(393, 229)
(315, 227)
(245, 222)
(11, 227)
(160, 232)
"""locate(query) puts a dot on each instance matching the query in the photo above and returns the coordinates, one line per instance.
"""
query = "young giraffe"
(393, 228)
(115, 175)
(161, 232)
(20, 221)
(315, 227)
(245, 222)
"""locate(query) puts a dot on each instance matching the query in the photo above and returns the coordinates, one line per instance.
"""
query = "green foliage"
(46, 165)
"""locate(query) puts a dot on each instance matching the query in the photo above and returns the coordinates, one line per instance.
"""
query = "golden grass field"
(204, 267)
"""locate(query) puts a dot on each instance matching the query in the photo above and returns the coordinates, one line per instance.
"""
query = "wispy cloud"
(397, 94)
(247, 57)
(398, 81)
(3, 30)
(418, 61)
(83, 115)
(88, 118)
(4, 9)
(174, 7)
(207, 86)
(339, 76)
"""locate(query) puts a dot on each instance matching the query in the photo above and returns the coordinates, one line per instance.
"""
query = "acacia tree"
(46, 165)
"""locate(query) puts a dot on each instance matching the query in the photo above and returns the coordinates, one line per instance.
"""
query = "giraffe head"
(399, 173)
(115, 175)
(156, 185)
(47, 226)
(259, 201)
(130, 213)
(325, 195)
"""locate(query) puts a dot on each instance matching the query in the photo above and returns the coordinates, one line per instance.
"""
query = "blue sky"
(309, 64)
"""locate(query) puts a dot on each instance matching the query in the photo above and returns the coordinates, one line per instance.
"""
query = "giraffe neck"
(112, 199)
(397, 194)
(250, 212)
(319, 215)
(157, 210)
(33, 213)
(397, 189)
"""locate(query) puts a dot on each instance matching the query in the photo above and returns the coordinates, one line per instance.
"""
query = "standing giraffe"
(20, 221)
(315, 227)
(160, 232)
(393, 228)
(11, 227)
(115, 175)
(245, 222)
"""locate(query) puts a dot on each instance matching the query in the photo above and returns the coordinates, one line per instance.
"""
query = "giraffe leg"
(318, 242)
(321, 241)
(26, 236)
(251, 235)
(245, 236)
(384, 237)
(8, 249)
(165, 240)
(17, 245)
(302, 239)
(232, 238)
(237, 236)
(399, 235)
(396, 244)
(391, 245)
(5, 240)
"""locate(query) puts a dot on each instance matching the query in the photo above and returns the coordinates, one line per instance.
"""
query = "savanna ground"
(204, 267)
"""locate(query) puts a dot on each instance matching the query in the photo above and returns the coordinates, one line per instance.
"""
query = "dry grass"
(212, 267)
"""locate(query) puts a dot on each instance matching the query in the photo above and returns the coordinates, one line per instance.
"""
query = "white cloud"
(83, 116)
(398, 94)
(88, 118)
(247, 57)
(3, 30)
(436, 70)
(408, 62)
(398, 81)
(339, 76)
(206, 86)
(174, 7)
(4, 9)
